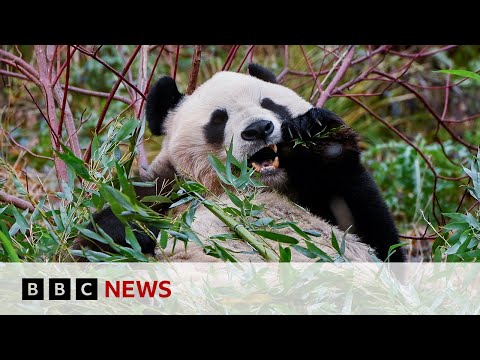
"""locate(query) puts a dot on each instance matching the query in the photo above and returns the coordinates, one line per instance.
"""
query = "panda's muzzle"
(265, 160)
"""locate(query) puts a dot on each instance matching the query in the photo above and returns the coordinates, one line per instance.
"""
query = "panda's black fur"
(316, 176)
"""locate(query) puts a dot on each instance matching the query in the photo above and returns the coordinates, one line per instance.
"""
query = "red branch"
(338, 76)
(65, 91)
(192, 82)
(109, 100)
(17, 202)
(122, 77)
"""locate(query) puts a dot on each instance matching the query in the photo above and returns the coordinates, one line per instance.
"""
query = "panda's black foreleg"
(110, 224)
(322, 159)
(113, 227)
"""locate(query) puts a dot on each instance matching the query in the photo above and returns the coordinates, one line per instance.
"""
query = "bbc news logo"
(87, 289)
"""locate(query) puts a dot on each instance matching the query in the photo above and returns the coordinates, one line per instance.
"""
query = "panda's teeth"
(276, 163)
(256, 167)
(273, 147)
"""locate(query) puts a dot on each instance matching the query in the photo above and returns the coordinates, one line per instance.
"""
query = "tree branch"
(192, 82)
(17, 202)
(109, 99)
(338, 76)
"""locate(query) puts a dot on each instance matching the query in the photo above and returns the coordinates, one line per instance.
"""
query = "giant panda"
(326, 189)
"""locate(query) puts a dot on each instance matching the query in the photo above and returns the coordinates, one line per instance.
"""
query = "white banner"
(246, 288)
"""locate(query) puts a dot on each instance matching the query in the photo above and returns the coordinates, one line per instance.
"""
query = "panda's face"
(237, 108)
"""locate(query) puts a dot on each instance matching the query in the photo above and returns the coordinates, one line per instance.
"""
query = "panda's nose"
(259, 130)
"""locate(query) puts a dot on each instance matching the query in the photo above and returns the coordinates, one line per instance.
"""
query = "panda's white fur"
(184, 145)
(186, 149)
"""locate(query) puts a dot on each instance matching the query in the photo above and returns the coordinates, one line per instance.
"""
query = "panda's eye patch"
(281, 111)
(219, 116)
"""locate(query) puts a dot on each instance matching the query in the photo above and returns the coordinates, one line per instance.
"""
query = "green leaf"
(276, 237)
(304, 251)
(464, 73)
(156, 199)
(472, 221)
(392, 248)
(262, 221)
(462, 243)
(75, 164)
(298, 230)
(144, 184)
(181, 201)
(193, 237)
(91, 234)
(189, 215)
(126, 130)
(318, 252)
(19, 187)
(226, 236)
(438, 254)
(335, 243)
(235, 199)
(219, 168)
(163, 239)
(223, 253)
(127, 187)
(285, 254)
(95, 147)
(456, 225)
(96, 256)
(67, 192)
(178, 235)
(313, 233)
(8, 247)
(118, 202)
(36, 212)
(455, 216)
(20, 220)
(132, 240)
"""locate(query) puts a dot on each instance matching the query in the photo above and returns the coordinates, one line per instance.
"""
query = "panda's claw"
(290, 132)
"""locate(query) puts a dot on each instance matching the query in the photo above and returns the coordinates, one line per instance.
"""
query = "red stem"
(338, 76)
(122, 77)
(110, 98)
(65, 92)
(176, 62)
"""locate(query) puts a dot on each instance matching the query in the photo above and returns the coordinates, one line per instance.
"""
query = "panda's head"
(246, 109)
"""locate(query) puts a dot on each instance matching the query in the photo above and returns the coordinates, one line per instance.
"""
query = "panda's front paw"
(319, 133)
(316, 123)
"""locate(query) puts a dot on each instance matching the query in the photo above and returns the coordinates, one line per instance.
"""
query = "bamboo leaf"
(285, 254)
(126, 130)
(464, 73)
(276, 237)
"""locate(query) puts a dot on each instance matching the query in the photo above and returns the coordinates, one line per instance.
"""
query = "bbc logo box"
(32, 289)
(59, 289)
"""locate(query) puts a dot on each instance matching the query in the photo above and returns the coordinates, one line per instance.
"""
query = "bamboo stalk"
(241, 231)
(8, 247)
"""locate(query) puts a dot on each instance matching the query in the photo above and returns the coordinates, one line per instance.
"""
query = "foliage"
(396, 97)
(460, 237)
(407, 182)
(46, 234)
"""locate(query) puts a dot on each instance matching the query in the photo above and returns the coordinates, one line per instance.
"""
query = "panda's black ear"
(161, 98)
(261, 73)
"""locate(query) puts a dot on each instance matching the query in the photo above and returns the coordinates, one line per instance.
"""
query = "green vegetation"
(414, 107)
(46, 235)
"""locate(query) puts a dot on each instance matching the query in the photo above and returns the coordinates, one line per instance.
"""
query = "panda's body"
(265, 121)
(276, 206)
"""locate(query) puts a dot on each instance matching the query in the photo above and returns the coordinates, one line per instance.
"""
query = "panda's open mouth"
(265, 160)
